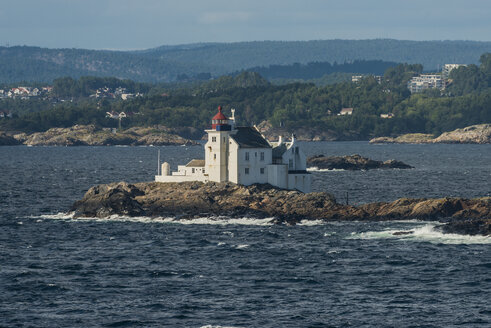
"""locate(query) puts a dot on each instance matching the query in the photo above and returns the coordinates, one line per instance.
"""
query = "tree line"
(296, 105)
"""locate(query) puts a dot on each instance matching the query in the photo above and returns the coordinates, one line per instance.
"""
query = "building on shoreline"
(242, 155)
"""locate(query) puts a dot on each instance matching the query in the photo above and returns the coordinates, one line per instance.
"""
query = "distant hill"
(167, 63)
(317, 70)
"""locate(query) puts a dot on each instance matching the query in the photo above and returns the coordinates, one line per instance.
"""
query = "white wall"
(216, 156)
(233, 171)
(254, 164)
(188, 171)
(300, 182)
(277, 175)
(298, 157)
(180, 178)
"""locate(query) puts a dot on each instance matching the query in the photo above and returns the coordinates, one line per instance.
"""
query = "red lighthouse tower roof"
(219, 115)
(220, 122)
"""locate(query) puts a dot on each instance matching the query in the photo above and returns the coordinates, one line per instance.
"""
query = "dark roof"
(249, 137)
(278, 151)
(196, 163)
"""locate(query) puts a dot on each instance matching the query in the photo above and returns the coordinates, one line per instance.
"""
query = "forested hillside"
(168, 63)
(295, 107)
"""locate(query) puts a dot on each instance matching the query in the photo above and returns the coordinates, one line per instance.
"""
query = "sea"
(58, 271)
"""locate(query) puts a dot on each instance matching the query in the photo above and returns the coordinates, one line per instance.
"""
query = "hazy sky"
(131, 24)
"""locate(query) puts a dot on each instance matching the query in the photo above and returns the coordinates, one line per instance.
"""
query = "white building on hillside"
(447, 68)
(242, 155)
(426, 81)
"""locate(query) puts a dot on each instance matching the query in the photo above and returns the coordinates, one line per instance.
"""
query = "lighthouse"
(241, 154)
(216, 149)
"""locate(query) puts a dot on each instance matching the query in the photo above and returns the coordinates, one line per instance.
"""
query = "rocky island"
(90, 135)
(477, 134)
(196, 199)
(352, 162)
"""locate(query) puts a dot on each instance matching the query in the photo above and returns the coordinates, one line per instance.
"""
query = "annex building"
(242, 155)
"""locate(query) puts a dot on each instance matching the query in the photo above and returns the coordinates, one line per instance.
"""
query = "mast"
(158, 162)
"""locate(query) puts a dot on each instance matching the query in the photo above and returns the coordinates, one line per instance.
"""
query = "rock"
(8, 140)
(410, 138)
(468, 227)
(352, 162)
(194, 199)
(89, 135)
(106, 200)
(477, 134)
(402, 233)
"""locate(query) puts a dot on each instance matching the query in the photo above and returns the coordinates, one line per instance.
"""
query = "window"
(262, 156)
(255, 154)
(214, 156)
(296, 150)
(203, 171)
(192, 170)
(213, 139)
(247, 156)
(290, 164)
(262, 170)
(246, 170)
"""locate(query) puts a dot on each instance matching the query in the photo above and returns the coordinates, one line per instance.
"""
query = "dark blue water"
(59, 272)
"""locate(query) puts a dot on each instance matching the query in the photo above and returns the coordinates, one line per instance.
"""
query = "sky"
(143, 24)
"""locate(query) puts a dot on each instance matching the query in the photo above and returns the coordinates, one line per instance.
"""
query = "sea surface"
(57, 271)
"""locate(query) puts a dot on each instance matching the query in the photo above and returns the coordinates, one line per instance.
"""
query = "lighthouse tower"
(216, 149)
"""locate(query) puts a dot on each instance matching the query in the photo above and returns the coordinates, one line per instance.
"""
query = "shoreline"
(194, 199)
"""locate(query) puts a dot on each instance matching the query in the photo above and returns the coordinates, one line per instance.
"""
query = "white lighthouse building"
(242, 155)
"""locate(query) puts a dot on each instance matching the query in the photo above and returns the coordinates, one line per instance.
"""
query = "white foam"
(58, 216)
(316, 169)
(225, 221)
(242, 246)
(213, 220)
(426, 233)
(212, 326)
(311, 223)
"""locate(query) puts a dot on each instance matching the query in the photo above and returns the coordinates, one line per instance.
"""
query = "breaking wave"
(426, 233)
(316, 169)
(212, 220)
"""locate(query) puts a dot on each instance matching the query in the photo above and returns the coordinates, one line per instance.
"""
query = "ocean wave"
(311, 222)
(211, 220)
(213, 326)
(426, 233)
(316, 169)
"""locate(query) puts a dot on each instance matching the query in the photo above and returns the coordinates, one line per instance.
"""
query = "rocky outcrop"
(89, 135)
(8, 140)
(194, 199)
(353, 162)
(476, 134)
(479, 134)
(468, 227)
(410, 138)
